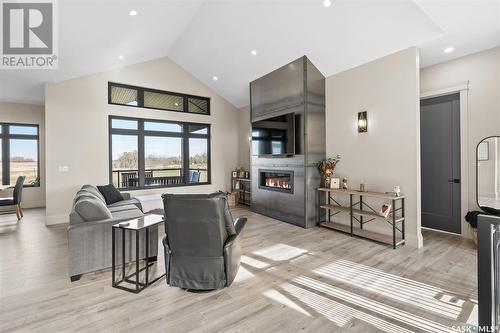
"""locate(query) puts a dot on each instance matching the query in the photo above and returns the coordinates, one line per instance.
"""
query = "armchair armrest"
(239, 224)
(125, 195)
(232, 251)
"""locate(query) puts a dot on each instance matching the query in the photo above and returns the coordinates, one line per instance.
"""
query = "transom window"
(147, 153)
(19, 153)
(122, 94)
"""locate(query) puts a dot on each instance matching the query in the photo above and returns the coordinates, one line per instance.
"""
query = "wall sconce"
(362, 122)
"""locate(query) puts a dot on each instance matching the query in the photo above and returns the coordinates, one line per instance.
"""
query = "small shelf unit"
(242, 186)
(359, 210)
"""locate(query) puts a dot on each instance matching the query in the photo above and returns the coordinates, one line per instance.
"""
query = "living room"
(284, 165)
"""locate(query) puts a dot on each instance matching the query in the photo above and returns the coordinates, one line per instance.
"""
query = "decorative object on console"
(385, 210)
(362, 122)
(335, 183)
(326, 168)
(397, 190)
(344, 183)
(361, 187)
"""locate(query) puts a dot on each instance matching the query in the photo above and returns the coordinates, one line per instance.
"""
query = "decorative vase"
(328, 181)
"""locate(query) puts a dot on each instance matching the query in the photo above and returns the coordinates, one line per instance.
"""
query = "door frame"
(463, 90)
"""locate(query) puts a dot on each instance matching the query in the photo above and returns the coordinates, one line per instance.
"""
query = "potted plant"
(326, 168)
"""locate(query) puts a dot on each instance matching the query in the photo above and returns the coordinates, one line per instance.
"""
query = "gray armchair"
(202, 244)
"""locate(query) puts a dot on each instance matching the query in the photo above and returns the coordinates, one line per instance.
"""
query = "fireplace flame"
(278, 182)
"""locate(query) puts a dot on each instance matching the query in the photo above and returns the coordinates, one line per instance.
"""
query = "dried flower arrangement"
(326, 168)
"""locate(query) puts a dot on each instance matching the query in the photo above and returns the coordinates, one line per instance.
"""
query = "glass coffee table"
(134, 226)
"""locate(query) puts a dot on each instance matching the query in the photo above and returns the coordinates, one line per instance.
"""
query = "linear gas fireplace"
(276, 180)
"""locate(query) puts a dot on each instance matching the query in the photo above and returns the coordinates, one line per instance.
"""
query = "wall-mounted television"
(274, 136)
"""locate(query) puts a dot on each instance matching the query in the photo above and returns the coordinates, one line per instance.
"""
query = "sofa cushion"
(92, 209)
(110, 193)
(114, 209)
(131, 201)
(92, 189)
(125, 215)
(81, 194)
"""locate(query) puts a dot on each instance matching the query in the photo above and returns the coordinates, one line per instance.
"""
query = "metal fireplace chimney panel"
(297, 87)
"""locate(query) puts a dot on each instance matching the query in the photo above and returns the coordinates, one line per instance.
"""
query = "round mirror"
(488, 174)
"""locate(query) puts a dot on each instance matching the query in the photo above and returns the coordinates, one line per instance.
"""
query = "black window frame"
(141, 133)
(140, 98)
(6, 136)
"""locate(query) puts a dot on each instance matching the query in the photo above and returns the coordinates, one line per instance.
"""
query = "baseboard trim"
(442, 231)
(33, 204)
(56, 219)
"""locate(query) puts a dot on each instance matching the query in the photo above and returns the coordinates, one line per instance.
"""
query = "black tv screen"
(274, 136)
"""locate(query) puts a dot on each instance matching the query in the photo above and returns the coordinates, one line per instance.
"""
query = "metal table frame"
(139, 286)
(359, 209)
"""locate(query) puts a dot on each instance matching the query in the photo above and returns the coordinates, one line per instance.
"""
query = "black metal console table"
(135, 225)
(359, 210)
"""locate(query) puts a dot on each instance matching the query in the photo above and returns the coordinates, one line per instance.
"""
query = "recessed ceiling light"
(133, 13)
(215, 78)
(254, 52)
(327, 3)
(449, 49)
(121, 57)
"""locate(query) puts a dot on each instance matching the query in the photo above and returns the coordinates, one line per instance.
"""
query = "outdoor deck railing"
(125, 178)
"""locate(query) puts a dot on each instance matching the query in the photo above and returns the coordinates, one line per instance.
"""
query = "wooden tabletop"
(381, 195)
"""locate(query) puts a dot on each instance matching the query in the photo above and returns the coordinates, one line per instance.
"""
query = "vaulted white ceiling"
(215, 38)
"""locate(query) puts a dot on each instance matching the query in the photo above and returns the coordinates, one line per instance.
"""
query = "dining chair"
(15, 200)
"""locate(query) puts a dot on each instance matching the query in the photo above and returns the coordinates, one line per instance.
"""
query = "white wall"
(28, 114)
(245, 132)
(487, 172)
(77, 130)
(482, 71)
(389, 153)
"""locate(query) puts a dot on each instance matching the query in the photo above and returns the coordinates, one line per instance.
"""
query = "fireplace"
(276, 180)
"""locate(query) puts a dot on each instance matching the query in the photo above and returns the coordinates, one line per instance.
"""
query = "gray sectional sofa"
(89, 231)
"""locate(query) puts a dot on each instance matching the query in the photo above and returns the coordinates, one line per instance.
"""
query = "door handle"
(454, 180)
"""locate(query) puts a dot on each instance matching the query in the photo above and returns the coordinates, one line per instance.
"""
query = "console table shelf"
(359, 210)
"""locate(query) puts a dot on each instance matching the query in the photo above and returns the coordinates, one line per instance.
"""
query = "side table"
(134, 226)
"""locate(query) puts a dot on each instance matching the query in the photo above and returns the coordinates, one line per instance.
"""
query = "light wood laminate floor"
(290, 280)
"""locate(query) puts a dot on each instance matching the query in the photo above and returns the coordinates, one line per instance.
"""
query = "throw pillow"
(110, 194)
